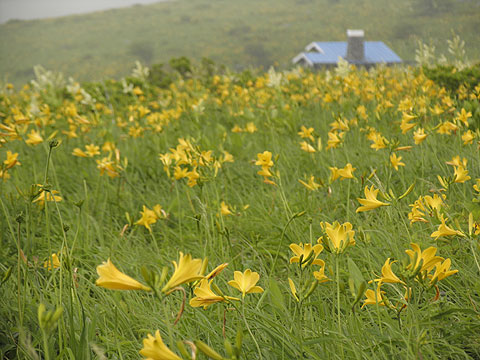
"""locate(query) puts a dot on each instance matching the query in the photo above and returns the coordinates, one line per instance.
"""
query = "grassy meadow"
(338, 212)
(237, 34)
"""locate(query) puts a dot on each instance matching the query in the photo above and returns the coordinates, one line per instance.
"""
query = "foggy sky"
(37, 9)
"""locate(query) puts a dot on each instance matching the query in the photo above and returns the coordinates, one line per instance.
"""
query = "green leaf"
(276, 295)
(355, 273)
(452, 311)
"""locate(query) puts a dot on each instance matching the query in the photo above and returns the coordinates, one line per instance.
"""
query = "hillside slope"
(237, 34)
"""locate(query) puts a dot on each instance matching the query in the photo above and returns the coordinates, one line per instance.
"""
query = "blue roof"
(375, 52)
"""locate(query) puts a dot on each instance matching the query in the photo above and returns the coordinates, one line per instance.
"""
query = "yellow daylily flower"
(216, 271)
(225, 209)
(425, 258)
(79, 152)
(206, 158)
(155, 349)
(246, 282)
(320, 274)
(138, 91)
(108, 146)
(447, 127)
(108, 166)
(461, 174)
(463, 116)
(306, 133)
(419, 135)
(237, 129)
(192, 177)
(476, 186)
(370, 202)
(307, 147)
(442, 270)
(187, 270)
(407, 116)
(340, 124)
(34, 138)
(347, 172)
(114, 279)
(340, 236)
(12, 160)
(395, 161)
(334, 139)
(468, 137)
(403, 148)
(444, 230)
(92, 150)
(293, 289)
(227, 157)
(250, 127)
(4, 175)
(379, 142)
(311, 185)
(387, 274)
(405, 125)
(334, 173)
(53, 261)
(148, 218)
(265, 172)
(374, 297)
(457, 161)
(51, 196)
(417, 214)
(264, 159)
(304, 252)
(204, 296)
(435, 202)
(179, 172)
(437, 110)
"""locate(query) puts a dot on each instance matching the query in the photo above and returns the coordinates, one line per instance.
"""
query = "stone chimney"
(356, 46)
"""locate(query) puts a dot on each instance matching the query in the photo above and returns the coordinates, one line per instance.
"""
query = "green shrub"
(451, 78)
(159, 77)
(182, 65)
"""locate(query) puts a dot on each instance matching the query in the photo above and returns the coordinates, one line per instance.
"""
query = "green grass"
(89, 222)
(236, 34)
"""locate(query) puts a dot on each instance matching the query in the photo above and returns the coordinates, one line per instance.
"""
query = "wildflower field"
(238, 34)
(284, 215)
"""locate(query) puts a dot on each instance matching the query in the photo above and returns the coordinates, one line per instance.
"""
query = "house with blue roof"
(356, 51)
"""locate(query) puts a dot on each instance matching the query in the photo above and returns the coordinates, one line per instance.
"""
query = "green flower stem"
(337, 266)
(474, 254)
(279, 245)
(19, 292)
(242, 313)
(165, 312)
(181, 215)
(337, 269)
(46, 350)
(47, 165)
(65, 249)
(49, 243)
(157, 249)
(300, 308)
(348, 201)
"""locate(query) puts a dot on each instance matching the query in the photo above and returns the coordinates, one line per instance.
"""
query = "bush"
(182, 65)
(159, 77)
(451, 78)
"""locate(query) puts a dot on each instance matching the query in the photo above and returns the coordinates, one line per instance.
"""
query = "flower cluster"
(265, 161)
(424, 267)
(189, 161)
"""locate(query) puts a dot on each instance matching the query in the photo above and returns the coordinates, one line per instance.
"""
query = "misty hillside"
(238, 34)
